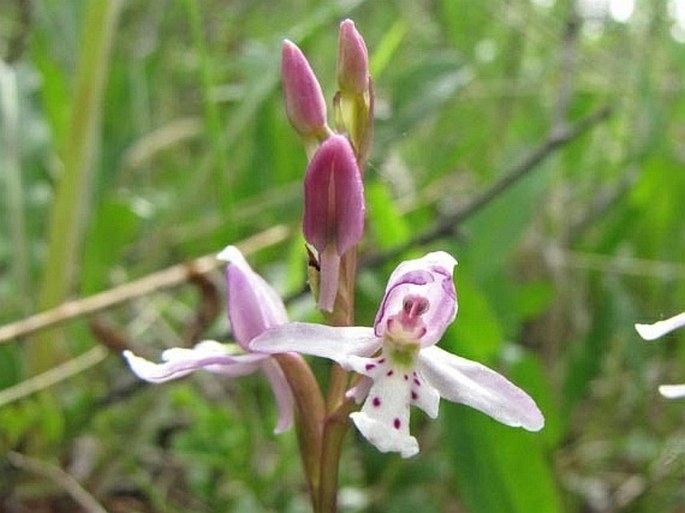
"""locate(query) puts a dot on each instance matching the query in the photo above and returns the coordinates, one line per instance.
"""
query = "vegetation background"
(539, 141)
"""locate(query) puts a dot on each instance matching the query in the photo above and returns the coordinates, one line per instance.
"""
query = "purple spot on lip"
(390, 372)
(406, 377)
(414, 395)
(381, 361)
(396, 423)
(376, 401)
(417, 382)
(370, 366)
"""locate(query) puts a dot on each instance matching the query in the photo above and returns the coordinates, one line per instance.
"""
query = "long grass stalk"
(73, 190)
(9, 112)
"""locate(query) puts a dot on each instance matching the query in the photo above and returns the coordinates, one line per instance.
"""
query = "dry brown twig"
(170, 277)
(59, 477)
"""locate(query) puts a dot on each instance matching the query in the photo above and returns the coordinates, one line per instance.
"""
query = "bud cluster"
(334, 208)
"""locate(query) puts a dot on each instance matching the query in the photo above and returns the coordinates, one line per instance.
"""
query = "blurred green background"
(140, 134)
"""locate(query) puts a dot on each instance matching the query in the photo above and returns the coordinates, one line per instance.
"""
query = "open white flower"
(400, 362)
(659, 329)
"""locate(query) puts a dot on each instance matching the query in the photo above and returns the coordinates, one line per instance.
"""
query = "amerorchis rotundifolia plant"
(659, 329)
(389, 367)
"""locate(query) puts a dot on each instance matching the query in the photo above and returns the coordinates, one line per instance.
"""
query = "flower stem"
(334, 432)
(311, 413)
(337, 406)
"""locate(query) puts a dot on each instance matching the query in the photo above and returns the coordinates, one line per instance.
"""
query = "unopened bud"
(353, 103)
(333, 210)
(353, 60)
(304, 101)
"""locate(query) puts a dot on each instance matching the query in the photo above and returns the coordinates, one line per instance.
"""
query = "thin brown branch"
(53, 376)
(170, 277)
(207, 309)
(59, 477)
(602, 203)
(109, 335)
(558, 138)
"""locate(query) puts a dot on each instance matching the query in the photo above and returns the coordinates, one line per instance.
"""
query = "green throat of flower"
(401, 354)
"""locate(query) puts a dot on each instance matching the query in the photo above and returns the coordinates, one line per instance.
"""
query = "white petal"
(383, 438)
(232, 254)
(464, 381)
(365, 366)
(420, 393)
(384, 418)
(179, 362)
(425, 396)
(325, 341)
(672, 391)
(660, 328)
(201, 349)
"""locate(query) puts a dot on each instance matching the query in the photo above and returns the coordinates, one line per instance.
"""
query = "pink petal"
(464, 381)
(253, 306)
(329, 262)
(282, 393)
(360, 390)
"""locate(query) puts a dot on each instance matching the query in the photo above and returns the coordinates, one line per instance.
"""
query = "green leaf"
(476, 334)
(114, 228)
(387, 227)
(499, 469)
(532, 298)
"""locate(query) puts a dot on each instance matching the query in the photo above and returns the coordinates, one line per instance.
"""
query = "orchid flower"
(659, 329)
(253, 307)
(399, 362)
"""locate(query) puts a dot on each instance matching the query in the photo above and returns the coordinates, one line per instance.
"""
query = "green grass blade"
(71, 200)
(9, 114)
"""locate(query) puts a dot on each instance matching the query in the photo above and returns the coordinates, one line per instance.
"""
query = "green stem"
(337, 406)
(335, 429)
(311, 413)
(72, 194)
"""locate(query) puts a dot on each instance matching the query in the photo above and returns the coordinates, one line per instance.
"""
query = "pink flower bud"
(304, 100)
(353, 60)
(333, 210)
